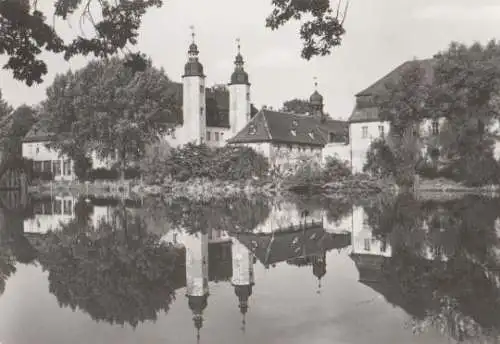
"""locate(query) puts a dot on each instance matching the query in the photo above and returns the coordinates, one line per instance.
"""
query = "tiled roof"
(285, 245)
(340, 130)
(281, 127)
(365, 110)
(38, 132)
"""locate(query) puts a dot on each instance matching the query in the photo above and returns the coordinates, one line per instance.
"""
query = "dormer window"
(295, 124)
(311, 135)
(293, 132)
(252, 130)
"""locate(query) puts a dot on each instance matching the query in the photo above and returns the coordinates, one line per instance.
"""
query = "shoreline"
(207, 189)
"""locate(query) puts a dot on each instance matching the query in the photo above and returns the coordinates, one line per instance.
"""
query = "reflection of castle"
(49, 214)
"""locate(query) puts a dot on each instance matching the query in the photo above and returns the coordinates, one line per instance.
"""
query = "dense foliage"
(28, 30)
(115, 271)
(201, 161)
(443, 263)
(311, 172)
(108, 109)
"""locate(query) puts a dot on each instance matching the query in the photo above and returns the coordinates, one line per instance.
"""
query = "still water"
(88, 270)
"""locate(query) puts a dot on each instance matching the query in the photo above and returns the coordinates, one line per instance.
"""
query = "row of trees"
(460, 85)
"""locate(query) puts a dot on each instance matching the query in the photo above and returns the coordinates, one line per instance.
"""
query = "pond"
(399, 270)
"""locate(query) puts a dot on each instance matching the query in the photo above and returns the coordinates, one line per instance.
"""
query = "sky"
(380, 36)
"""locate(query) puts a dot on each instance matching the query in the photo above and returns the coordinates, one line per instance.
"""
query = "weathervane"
(192, 32)
(315, 83)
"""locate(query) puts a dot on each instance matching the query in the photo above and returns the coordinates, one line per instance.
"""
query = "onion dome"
(243, 292)
(239, 76)
(316, 98)
(197, 303)
(193, 67)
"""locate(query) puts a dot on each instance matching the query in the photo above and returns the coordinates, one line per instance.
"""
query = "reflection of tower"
(243, 277)
(197, 276)
(319, 268)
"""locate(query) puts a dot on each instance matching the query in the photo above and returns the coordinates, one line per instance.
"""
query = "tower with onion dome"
(243, 276)
(197, 276)
(316, 101)
(193, 97)
(239, 95)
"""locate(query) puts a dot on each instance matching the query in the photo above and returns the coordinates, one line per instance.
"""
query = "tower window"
(435, 127)
(208, 135)
(216, 136)
(201, 111)
(364, 133)
(202, 89)
(248, 96)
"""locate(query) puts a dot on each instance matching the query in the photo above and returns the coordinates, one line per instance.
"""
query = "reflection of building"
(49, 214)
(363, 241)
(243, 278)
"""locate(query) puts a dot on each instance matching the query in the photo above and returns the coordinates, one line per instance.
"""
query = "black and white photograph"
(249, 172)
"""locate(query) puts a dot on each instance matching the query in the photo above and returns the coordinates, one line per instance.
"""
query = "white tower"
(197, 276)
(243, 276)
(193, 98)
(239, 96)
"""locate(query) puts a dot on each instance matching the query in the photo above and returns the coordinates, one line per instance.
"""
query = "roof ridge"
(266, 125)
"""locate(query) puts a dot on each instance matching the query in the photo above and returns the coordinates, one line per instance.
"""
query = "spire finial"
(192, 32)
(243, 323)
(315, 83)
(238, 44)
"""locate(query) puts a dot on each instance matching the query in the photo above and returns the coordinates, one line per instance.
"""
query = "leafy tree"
(297, 106)
(20, 122)
(25, 32)
(465, 92)
(108, 109)
(5, 114)
(116, 272)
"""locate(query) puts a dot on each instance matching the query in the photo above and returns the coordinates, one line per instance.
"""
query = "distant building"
(365, 124)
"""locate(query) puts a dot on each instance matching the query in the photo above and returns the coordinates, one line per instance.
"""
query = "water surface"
(78, 270)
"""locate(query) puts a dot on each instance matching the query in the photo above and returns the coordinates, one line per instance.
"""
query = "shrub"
(380, 161)
(201, 161)
(82, 165)
(335, 169)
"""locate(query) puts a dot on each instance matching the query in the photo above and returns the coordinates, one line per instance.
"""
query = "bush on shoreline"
(311, 172)
(202, 162)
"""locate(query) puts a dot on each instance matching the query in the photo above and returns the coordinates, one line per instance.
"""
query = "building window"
(56, 167)
(37, 166)
(364, 133)
(248, 96)
(208, 135)
(221, 136)
(68, 207)
(252, 130)
(67, 167)
(216, 136)
(201, 111)
(331, 137)
(47, 166)
(381, 131)
(58, 207)
(202, 89)
(435, 127)
(367, 244)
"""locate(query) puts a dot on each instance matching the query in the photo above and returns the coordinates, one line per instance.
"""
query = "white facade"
(340, 151)
(50, 216)
(362, 238)
(51, 160)
(242, 262)
(361, 135)
(239, 107)
(197, 264)
(216, 136)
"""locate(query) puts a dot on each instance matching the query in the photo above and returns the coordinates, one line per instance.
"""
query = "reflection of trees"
(335, 208)
(229, 214)
(7, 268)
(116, 272)
(451, 288)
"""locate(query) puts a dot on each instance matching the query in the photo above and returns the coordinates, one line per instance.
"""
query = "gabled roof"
(365, 110)
(281, 127)
(272, 248)
(38, 132)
